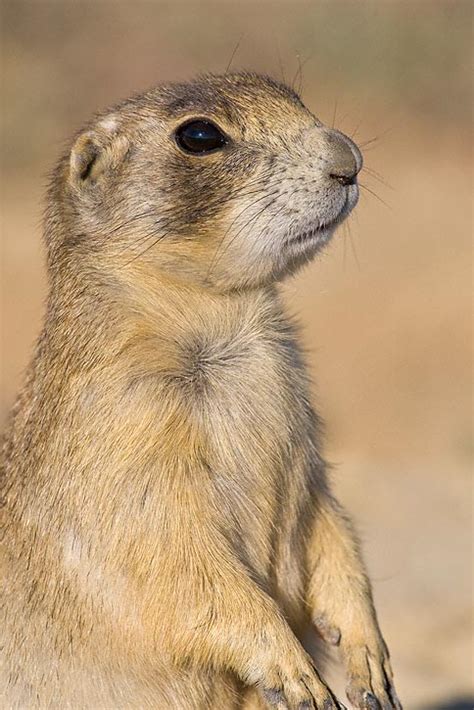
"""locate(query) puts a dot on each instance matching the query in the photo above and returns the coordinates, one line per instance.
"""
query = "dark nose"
(345, 179)
(345, 159)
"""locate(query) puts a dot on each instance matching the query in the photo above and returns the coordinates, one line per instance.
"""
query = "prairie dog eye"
(200, 137)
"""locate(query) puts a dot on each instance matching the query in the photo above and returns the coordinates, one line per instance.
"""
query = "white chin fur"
(310, 243)
(313, 238)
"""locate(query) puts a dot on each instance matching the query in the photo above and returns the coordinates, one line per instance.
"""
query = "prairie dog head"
(228, 182)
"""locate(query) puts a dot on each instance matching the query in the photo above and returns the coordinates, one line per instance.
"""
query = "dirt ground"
(385, 313)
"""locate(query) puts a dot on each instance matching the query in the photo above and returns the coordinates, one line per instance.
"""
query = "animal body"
(168, 530)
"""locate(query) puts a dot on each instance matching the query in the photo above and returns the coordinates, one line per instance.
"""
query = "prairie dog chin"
(170, 534)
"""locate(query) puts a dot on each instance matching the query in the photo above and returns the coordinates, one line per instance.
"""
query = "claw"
(370, 702)
(389, 687)
(333, 703)
(394, 698)
(274, 696)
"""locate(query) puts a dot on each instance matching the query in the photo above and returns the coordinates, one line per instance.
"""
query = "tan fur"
(169, 531)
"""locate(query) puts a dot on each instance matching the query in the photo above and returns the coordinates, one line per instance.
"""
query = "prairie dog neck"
(169, 304)
(143, 317)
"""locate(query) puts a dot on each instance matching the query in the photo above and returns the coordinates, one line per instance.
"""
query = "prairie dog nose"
(344, 159)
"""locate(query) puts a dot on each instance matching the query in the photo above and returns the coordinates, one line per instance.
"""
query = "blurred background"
(385, 311)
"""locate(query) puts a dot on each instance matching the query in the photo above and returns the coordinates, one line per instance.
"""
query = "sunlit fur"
(169, 531)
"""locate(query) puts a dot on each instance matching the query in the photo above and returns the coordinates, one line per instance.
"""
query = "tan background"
(385, 312)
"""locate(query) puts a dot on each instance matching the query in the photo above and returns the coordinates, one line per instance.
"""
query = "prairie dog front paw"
(288, 680)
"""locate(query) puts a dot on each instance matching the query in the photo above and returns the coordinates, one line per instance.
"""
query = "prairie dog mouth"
(324, 229)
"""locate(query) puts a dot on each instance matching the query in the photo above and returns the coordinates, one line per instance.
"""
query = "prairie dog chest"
(226, 403)
(247, 390)
(242, 387)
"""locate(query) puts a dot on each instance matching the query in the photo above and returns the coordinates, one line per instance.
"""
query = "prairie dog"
(169, 532)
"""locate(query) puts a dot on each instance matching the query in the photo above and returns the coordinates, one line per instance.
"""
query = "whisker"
(373, 172)
(377, 176)
(356, 129)
(344, 246)
(257, 184)
(219, 252)
(134, 218)
(369, 142)
(364, 187)
(354, 250)
(150, 246)
(247, 207)
(284, 206)
(166, 223)
(234, 52)
(375, 138)
(334, 114)
(298, 71)
(158, 223)
(152, 233)
(301, 66)
(280, 64)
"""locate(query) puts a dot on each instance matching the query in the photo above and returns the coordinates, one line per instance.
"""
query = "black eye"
(200, 137)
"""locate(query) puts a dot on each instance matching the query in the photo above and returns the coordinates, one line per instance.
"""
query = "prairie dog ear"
(97, 152)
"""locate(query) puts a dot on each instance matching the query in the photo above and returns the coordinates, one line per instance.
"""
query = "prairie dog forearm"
(342, 608)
